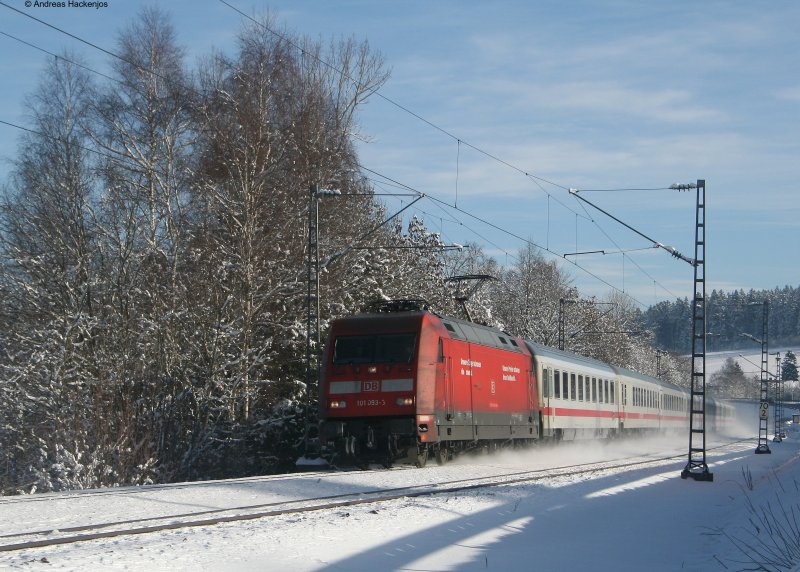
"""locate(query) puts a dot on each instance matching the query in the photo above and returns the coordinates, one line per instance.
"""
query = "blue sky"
(586, 95)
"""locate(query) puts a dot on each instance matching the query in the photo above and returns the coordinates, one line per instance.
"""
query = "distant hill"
(729, 315)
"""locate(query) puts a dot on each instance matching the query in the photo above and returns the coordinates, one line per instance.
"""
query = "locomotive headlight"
(338, 404)
(405, 401)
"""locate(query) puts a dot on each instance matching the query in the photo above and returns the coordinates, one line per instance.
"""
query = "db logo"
(370, 386)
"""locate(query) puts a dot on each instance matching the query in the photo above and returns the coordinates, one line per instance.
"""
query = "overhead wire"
(88, 43)
(57, 56)
(58, 139)
(602, 230)
(514, 235)
(536, 179)
(453, 220)
(395, 103)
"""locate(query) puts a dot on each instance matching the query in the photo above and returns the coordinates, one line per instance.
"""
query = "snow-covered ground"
(750, 363)
(640, 519)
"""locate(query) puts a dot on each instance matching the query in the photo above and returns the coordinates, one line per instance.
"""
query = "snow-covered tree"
(527, 298)
(730, 381)
(53, 410)
(789, 367)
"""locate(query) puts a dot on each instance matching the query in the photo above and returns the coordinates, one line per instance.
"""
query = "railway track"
(146, 489)
(209, 517)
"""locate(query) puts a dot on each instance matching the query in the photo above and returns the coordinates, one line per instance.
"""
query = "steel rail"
(380, 495)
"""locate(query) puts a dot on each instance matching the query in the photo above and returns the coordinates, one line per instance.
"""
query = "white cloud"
(609, 97)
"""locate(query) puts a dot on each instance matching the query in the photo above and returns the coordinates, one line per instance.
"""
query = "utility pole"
(313, 341)
(312, 305)
(779, 435)
(658, 364)
(696, 466)
(763, 415)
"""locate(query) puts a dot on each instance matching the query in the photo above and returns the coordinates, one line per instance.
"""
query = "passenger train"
(411, 385)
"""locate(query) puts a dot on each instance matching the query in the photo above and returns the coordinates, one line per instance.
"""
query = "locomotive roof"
(458, 329)
(480, 334)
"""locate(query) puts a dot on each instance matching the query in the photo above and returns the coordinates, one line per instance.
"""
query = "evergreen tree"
(789, 367)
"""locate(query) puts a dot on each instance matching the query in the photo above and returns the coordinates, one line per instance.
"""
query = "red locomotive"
(405, 383)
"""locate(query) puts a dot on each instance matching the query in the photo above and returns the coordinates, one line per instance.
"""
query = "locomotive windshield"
(386, 348)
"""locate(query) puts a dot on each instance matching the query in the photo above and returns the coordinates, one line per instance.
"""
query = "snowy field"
(750, 363)
(640, 519)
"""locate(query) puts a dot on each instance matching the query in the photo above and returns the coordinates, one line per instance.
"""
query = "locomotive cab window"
(388, 348)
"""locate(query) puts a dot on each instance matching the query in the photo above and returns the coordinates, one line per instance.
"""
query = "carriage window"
(545, 381)
(557, 383)
(388, 348)
(565, 385)
(600, 391)
(607, 391)
(580, 388)
(440, 357)
(594, 389)
(613, 398)
(572, 393)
